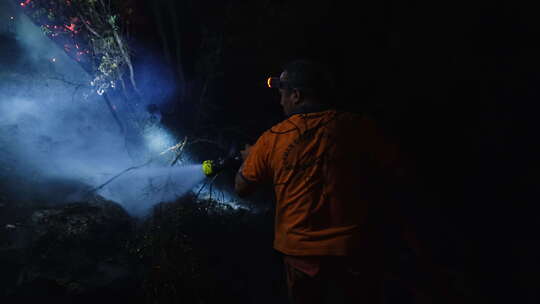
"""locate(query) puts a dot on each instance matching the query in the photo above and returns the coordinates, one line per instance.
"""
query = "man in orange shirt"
(328, 169)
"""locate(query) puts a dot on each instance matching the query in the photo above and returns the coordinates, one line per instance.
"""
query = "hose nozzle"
(212, 167)
(208, 167)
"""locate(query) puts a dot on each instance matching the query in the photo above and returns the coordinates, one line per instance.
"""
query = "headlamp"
(276, 83)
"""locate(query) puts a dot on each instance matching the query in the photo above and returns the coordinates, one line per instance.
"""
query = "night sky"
(455, 83)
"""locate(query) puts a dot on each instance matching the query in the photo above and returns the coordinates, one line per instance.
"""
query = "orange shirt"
(325, 168)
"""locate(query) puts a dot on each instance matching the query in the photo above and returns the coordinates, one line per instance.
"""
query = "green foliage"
(39, 13)
(51, 16)
(113, 21)
(46, 30)
(96, 26)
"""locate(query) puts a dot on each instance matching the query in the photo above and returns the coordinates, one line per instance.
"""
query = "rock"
(76, 249)
(97, 221)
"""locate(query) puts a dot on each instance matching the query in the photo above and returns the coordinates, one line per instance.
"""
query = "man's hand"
(242, 187)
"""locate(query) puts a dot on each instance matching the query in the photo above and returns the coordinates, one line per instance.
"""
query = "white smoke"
(58, 138)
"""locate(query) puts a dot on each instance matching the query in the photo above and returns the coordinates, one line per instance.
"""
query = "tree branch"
(87, 26)
(118, 175)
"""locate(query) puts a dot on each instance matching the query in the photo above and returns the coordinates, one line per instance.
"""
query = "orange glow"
(268, 81)
(71, 27)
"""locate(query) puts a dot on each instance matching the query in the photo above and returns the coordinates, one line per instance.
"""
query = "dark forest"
(108, 109)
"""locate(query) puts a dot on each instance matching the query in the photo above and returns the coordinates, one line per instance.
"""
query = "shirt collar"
(310, 108)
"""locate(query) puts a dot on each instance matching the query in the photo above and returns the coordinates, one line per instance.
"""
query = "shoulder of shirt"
(288, 125)
(282, 127)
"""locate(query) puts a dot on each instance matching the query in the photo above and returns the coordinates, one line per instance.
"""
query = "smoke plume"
(58, 139)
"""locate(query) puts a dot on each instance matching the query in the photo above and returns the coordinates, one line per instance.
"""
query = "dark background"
(455, 83)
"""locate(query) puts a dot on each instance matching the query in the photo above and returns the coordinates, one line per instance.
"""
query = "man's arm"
(242, 186)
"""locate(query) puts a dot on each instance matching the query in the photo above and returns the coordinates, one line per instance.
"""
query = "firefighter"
(331, 171)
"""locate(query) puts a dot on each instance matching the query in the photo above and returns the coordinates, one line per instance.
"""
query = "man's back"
(325, 168)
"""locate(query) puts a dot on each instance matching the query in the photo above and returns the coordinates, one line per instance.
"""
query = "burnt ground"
(187, 251)
(190, 250)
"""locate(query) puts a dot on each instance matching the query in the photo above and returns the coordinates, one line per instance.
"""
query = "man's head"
(307, 83)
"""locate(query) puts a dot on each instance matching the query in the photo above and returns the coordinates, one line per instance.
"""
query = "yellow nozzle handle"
(208, 167)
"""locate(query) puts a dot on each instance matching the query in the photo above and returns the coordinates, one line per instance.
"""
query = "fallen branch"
(179, 148)
(118, 175)
(208, 182)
